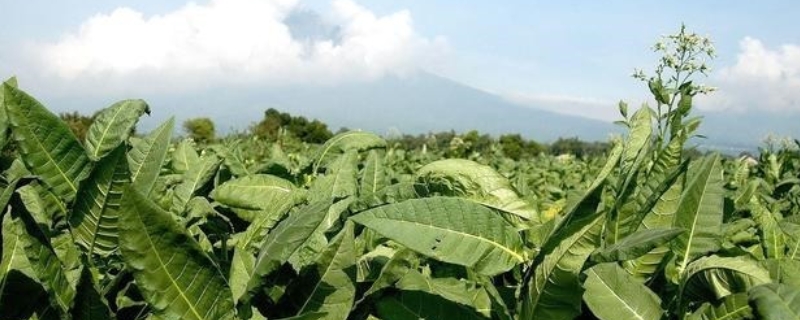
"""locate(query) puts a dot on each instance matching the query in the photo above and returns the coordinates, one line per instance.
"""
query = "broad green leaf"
(280, 244)
(776, 301)
(451, 230)
(415, 305)
(112, 126)
(791, 231)
(641, 130)
(611, 293)
(699, 213)
(636, 245)
(340, 180)
(732, 307)
(255, 192)
(772, 237)
(4, 118)
(94, 216)
(373, 176)
(198, 176)
(554, 290)
(176, 277)
(44, 262)
(463, 292)
(14, 257)
(476, 182)
(89, 303)
(147, 155)
(184, 157)
(711, 278)
(329, 285)
(46, 144)
(346, 141)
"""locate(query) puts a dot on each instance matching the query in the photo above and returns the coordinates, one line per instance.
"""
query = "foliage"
(276, 123)
(359, 228)
(200, 129)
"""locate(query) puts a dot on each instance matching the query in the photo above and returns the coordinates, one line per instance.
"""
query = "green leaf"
(476, 182)
(89, 303)
(451, 230)
(184, 157)
(255, 192)
(280, 244)
(463, 292)
(554, 289)
(700, 213)
(44, 262)
(198, 176)
(112, 126)
(328, 286)
(636, 245)
(612, 293)
(48, 147)
(711, 278)
(776, 301)
(401, 262)
(147, 155)
(176, 277)
(346, 141)
(415, 305)
(340, 180)
(772, 237)
(373, 177)
(94, 216)
(732, 307)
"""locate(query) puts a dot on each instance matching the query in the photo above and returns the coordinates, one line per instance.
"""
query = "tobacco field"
(138, 225)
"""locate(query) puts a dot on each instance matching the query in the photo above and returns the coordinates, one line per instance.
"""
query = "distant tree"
(78, 123)
(200, 129)
(513, 146)
(274, 121)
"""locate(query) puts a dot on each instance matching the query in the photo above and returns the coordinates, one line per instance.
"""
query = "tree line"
(277, 126)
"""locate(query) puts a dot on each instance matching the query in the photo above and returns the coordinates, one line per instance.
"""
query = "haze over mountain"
(422, 103)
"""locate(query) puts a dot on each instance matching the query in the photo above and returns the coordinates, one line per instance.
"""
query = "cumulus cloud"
(241, 41)
(762, 78)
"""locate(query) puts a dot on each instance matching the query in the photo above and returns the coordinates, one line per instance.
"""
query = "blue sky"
(568, 56)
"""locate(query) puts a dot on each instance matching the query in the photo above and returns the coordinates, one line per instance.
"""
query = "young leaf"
(48, 147)
(175, 275)
(94, 216)
(699, 213)
(198, 175)
(373, 177)
(346, 141)
(112, 126)
(451, 230)
(476, 182)
(147, 155)
(611, 293)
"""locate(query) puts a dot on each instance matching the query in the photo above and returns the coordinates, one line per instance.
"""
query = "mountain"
(414, 104)
(420, 103)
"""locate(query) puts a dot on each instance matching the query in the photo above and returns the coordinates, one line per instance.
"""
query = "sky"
(574, 57)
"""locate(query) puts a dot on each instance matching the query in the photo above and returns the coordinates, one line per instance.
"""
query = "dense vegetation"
(129, 226)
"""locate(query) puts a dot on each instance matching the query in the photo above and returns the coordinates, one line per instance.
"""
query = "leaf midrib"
(163, 267)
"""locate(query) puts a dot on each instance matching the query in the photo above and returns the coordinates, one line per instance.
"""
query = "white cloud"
(237, 41)
(762, 78)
